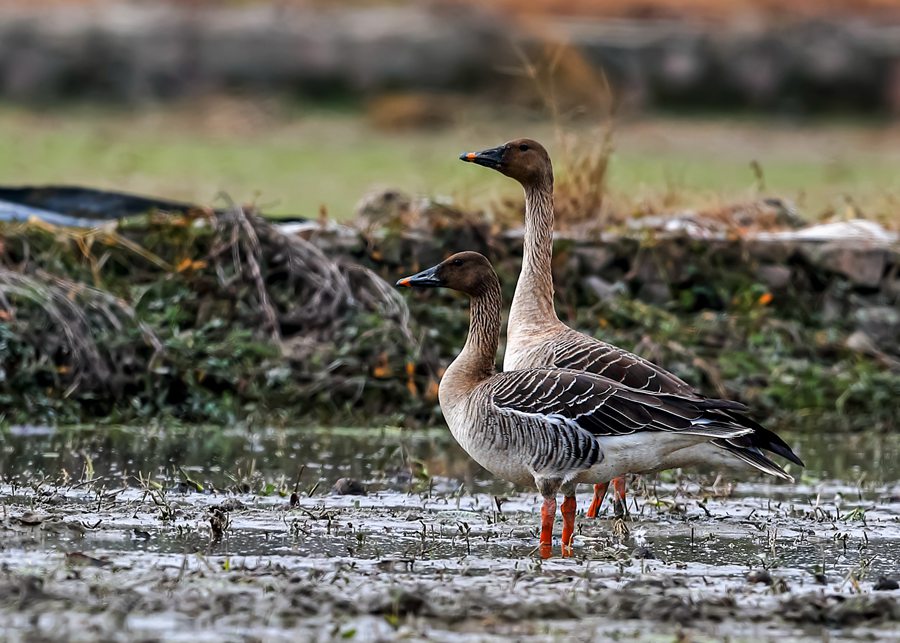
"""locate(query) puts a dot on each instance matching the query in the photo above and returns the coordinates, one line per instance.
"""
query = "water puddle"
(226, 534)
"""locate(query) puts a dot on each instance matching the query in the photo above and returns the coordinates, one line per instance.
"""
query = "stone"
(861, 264)
(881, 323)
(775, 277)
(663, 262)
(594, 259)
(603, 289)
(655, 293)
(859, 342)
(885, 584)
(770, 251)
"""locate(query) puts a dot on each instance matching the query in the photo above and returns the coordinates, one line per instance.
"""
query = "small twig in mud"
(196, 486)
(295, 493)
(498, 513)
(90, 482)
(702, 505)
(297, 479)
(465, 530)
(167, 510)
(103, 496)
(219, 523)
(321, 514)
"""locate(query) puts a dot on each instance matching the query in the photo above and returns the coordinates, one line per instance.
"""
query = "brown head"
(468, 272)
(523, 159)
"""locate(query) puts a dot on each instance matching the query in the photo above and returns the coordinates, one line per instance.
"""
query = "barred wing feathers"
(580, 352)
(602, 407)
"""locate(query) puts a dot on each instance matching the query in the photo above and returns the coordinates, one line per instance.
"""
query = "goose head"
(467, 272)
(522, 159)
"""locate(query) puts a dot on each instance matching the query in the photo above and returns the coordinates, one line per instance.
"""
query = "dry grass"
(235, 268)
(570, 91)
(63, 319)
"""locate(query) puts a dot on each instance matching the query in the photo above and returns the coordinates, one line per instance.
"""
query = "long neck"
(477, 360)
(532, 304)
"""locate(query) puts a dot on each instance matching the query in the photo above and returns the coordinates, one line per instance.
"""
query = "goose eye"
(457, 262)
(523, 147)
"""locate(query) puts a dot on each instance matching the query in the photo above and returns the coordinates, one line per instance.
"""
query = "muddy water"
(190, 533)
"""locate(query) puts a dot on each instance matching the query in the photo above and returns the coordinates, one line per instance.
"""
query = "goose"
(537, 337)
(554, 427)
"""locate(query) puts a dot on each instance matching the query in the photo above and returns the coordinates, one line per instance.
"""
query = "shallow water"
(427, 553)
(386, 457)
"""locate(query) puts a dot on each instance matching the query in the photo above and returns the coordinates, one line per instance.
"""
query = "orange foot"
(568, 515)
(620, 504)
(548, 515)
(599, 492)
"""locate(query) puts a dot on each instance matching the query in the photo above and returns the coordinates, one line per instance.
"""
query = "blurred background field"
(295, 159)
(268, 100)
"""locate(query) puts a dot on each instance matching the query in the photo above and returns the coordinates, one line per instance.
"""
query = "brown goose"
(537, 338)
(553, 427)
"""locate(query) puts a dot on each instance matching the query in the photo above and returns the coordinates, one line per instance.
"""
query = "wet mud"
(195, 534)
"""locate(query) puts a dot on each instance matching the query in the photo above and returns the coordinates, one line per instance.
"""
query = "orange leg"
(599, 492)
(548, 516)
(568, 532)
(619, 503)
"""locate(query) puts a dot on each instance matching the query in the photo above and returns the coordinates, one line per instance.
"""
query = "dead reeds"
(177, 310)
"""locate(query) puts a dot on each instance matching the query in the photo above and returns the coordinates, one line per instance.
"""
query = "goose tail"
(759, 461)
(763, 438)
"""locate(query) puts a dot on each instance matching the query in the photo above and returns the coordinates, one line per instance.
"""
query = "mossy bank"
(222, 317)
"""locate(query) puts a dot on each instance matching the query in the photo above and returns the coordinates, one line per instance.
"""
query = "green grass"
(817, 187)
(293, 162)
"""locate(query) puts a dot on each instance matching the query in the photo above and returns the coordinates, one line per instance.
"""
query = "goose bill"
(425, 279)
(491, 158)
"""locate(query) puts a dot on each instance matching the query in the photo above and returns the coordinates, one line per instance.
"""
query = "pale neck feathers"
(476, 362)
(532, 306)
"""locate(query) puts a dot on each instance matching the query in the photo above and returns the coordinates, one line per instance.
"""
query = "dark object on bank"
(80, 207)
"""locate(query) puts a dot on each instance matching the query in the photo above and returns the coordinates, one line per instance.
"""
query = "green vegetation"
(225, 320)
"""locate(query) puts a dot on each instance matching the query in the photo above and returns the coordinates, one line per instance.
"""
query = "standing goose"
(554, 427)
(537, 338)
